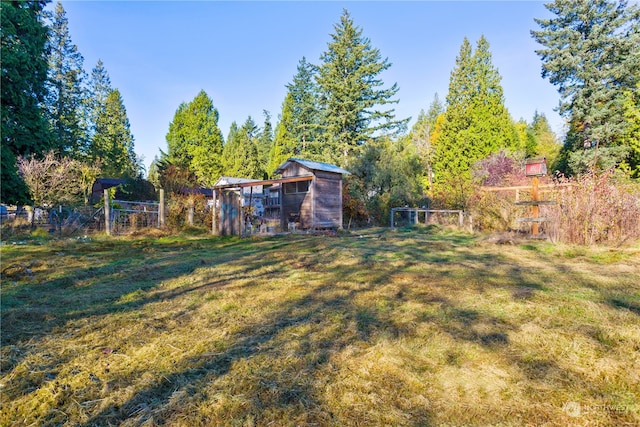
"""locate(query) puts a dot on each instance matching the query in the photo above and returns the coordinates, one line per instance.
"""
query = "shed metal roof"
(317, 166)
(225, 180)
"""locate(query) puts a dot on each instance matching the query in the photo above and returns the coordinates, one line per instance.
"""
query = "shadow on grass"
(277, 356)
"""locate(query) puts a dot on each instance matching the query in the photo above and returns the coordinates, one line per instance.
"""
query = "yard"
(410, 327)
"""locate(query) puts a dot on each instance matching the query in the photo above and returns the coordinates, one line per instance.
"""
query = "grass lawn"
(409, 327)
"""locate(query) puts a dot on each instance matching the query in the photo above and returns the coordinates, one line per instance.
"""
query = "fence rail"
(412, 217)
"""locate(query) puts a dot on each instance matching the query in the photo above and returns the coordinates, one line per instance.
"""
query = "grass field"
(409, 327)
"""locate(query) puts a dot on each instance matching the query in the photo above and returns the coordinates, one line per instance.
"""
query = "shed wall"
(328, 200)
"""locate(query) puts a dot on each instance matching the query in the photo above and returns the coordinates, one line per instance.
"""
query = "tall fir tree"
(305, 115)
(297, 132)
(65, 98)
(195, 141)
(24, 130)
(265, 141)
(351, 94)
(112, 145)
(475, 125)
(285, 144)
(98, 90)
(591, 52)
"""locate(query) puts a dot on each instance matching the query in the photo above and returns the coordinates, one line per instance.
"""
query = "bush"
(596, 208)
(493, 211)
(178, 212)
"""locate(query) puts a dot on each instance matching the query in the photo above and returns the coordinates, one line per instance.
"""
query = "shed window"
(296, 187)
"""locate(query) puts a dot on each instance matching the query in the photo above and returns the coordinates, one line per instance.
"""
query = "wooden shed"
(314, 203)
(308, 196)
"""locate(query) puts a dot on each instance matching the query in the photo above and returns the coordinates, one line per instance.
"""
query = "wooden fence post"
(190, 211)
(161, 215)
(535, 209)
(107, 212)
(214, 211)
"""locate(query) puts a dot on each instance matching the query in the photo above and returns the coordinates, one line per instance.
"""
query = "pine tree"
(112, 145)
(65, 99)
(591, 52)
(351, 97)
(24, 71)
(194, 139)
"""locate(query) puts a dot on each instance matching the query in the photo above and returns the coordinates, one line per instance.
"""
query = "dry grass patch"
(413, 327)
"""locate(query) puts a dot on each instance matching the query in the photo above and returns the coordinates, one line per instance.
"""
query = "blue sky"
(161, 53)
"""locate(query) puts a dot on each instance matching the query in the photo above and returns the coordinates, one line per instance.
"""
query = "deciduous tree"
(54, 180)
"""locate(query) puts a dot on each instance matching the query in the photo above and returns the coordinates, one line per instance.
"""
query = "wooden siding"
(295, 169)
(229, 214)
(328, 200)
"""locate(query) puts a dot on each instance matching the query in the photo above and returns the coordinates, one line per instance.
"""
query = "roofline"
(302, 162)
(264, 182)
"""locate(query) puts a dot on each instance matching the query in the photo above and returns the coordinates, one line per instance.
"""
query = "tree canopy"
(66, 97)
(591, 52)
(195, 140)
(352, 96)
(25, 130)
(475, 124)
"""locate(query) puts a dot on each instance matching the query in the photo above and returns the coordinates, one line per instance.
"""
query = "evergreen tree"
(265, 141)
(305, 110)
(97, 93)
(112, 144)
(476, 123)
(65, 99)
(229, 149)
(24, 128)
(297, 132)
(541, 140)
(591, 52)
(631, 108)
(285, 144)
(241, 152)
(153, 175)
(195, 141)
(351, 97)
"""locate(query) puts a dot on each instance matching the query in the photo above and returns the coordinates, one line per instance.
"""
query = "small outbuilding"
(308, 196)
(313, 203)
